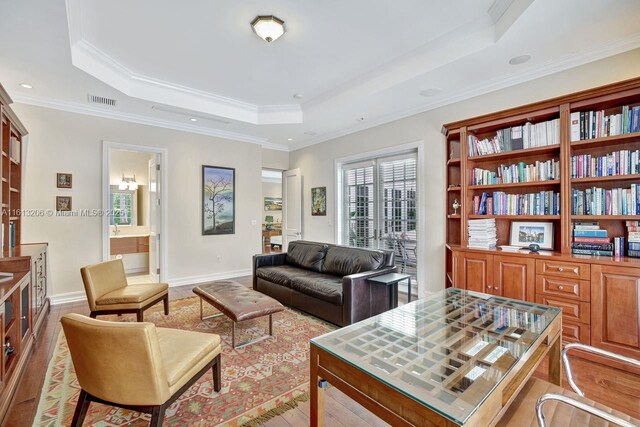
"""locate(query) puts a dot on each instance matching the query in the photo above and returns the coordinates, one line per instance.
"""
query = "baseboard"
(68, 297)
(194, 280)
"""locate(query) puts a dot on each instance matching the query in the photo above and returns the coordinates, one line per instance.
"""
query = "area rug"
(259, 381)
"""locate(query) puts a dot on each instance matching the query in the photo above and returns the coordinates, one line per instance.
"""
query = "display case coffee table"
(454, 358)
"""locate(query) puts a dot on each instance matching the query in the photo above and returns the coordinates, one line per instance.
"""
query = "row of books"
(623, 162)
(482, 233)
(14, 149)
(602, 201)
(520, 172)
(517, 138)
(597, 124)
(541, 203)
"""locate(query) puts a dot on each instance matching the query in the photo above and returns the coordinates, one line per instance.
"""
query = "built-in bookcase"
(11, 172)
(486, 130)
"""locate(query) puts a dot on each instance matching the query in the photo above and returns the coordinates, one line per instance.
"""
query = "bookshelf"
(595, 141)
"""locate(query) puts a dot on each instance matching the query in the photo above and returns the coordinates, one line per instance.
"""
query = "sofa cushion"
(321, 286)
(343, 261)
(307, 255)
(280, 274)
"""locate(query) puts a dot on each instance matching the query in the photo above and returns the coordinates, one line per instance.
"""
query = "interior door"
(154, 219)
(292, 209)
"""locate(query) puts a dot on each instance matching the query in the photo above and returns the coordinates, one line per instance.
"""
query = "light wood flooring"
(616, 389)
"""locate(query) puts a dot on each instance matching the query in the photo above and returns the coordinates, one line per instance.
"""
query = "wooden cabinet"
(129, 245)
(615, 309)
(513, 277)
(476, 272)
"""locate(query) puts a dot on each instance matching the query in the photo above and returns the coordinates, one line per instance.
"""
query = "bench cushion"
(308, 255)
(237, 301)
(321, 286)
(133, 294)
(343, 261)
(280, 274)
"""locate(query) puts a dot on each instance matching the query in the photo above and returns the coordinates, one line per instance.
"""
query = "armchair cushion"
(308, 255)
(343, 261)
(282, 275)
(184, 353)
(132, 294)
(321, 286)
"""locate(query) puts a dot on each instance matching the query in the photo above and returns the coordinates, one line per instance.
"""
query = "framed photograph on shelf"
(319, 201)
(63, 203)
(218, 200)
(524, 233)
(64, 180)
(272, 203)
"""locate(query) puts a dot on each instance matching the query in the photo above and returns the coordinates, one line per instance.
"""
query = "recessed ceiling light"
(297, 96)
(289, 139)
(26, 86)
(517, 60)
(193, 119)
(430, 92)
(269, 28)
(360, 119)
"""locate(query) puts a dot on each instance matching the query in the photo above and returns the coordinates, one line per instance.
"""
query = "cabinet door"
(476, 272)
(455, 269)
(615, 309)
(514, 277)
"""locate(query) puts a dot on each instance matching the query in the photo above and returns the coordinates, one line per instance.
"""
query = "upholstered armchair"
(136, 365)
(109, 293)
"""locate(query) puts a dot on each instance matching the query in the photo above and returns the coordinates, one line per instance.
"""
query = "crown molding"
(542, 70)
(78, 108)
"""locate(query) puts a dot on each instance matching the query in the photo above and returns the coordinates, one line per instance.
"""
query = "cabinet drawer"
(575, 332)
(573, 311)
(563, 269)
(564, 288)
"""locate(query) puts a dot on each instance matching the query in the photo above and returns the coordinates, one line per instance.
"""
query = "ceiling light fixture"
(297, 96)
(517, 60)
(289, 139)
(193, 119)
(26, 86)
(268, 27)
(430, 92)
(128, 183)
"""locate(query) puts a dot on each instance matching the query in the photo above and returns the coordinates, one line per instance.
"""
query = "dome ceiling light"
(268, 27)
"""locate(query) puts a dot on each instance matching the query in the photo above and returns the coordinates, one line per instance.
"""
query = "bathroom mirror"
(126, 206)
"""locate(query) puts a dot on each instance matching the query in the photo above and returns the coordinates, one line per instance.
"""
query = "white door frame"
(107, 146)
(420, 190)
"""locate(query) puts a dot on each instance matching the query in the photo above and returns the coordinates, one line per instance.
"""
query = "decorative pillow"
(307, 255)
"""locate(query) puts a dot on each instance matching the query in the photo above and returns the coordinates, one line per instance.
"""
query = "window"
(123, 207)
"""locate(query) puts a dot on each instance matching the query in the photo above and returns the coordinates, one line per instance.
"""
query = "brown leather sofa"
(328, 281)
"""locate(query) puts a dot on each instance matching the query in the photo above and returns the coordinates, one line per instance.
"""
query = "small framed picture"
(525, 233)
(64, 180)
(63, 203)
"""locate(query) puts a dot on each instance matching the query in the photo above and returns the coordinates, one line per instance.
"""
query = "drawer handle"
(560, 269)
(561, 287)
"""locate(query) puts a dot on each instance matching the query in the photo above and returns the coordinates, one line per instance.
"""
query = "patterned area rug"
(259, 381)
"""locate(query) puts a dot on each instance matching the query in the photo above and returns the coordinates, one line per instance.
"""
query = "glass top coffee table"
(454, 358)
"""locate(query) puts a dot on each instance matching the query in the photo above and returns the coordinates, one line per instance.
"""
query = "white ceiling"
(166, 62)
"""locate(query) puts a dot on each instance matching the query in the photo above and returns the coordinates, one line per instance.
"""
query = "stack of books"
(482, 233)
(597, 124)
(516, 138)
(633, 230)
(590, 239)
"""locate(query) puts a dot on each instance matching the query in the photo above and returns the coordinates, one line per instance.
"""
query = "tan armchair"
(136, 365)
(109, 293)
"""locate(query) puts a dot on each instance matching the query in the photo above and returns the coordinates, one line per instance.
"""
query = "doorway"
(271, 211)
(133, 206)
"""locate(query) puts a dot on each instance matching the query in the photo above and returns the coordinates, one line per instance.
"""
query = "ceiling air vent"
(101, 100)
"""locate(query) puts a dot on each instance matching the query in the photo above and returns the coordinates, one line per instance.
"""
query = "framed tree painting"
(218, 200)
(319, 201)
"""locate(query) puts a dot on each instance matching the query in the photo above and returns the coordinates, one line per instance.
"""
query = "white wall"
(271, 189)
(317, 162)
(129, 163)
(69, 142)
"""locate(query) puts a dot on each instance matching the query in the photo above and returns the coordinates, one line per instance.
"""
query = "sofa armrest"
(265, 260)
(357, 296)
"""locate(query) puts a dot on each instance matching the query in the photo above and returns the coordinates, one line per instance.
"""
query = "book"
(575, 126)
(618, 246)
(592, 239)
(594, 246)
(591, 252)
(634, 236)
(590, 233)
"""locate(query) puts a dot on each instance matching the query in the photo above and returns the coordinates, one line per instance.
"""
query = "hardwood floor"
(619, 390)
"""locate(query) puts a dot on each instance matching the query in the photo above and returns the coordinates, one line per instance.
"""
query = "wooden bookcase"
(584, 286)
(23, 299)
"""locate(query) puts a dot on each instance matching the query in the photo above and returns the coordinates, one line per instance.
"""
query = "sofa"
(327, 281)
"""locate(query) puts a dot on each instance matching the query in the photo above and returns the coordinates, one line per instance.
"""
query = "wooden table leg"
(555, 363)
(317, 392)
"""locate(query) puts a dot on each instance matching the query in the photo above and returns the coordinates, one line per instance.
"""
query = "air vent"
(101, 100)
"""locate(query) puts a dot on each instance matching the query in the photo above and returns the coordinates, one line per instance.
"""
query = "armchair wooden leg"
(157, 416)
(166, 305)
(81, 409)
(217, 374)
(140, 316)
